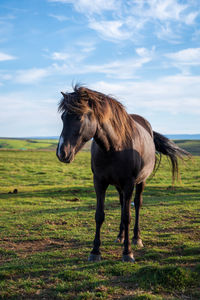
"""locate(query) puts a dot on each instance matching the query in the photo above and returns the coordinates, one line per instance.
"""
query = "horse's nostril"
(60, 154)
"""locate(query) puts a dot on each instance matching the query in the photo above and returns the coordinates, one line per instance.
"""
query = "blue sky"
(146, 53)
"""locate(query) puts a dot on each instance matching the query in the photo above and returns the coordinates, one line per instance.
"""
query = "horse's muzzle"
(63, 157)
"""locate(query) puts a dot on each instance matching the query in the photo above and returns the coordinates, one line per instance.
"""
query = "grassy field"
(32, 144)
(27, 144)
(193, 146)
(47, 229)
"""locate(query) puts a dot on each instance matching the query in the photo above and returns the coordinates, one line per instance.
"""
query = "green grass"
(28, 144)
(31, 144)
(47, 229)
(193, 146)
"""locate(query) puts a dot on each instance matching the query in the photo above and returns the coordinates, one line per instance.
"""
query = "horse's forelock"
(75, 102)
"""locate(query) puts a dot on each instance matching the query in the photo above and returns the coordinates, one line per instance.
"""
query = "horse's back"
(143, 122)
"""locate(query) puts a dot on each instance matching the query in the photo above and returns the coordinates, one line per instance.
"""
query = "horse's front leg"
(138, 203)
(100, 188)
(126, 218)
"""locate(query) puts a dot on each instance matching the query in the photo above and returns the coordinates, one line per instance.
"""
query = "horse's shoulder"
(143, 122)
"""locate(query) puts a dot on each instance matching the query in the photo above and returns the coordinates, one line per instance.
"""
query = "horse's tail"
(165, 146)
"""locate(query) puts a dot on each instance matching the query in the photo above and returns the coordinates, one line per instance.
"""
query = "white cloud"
(29, 114)
(170, 103)
(111, 30)
(33, 114)
(190, 56)
(170, 94)
(88, 49)
(60, 56)
(144, 52)
(71, 57)
(33, 75)
(86, 46)
(166, 32)
(185, 59)
(124, 69)
(4, 56)
(90, 6)
(128, 18)
(60, 18)
(7, 17)
(190, 18)
(165, 9)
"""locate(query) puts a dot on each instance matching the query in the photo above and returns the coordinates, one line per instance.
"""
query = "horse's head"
(79, 126)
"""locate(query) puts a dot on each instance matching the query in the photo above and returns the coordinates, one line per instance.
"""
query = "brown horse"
(123, 154)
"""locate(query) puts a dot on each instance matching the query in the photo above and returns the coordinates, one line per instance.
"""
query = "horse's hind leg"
(100, 189)
(126, 218)
(120, 237)
(138, 203)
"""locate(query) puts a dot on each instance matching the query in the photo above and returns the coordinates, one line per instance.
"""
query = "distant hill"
(190, 143)
(32, 144)
(192, 146)
(170, 136)
(183, 136)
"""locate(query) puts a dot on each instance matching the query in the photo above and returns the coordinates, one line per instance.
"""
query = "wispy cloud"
(164, 9)
(128, 18)
(7, 17)
(60, 18)
(86, 46)
(90, 6)
(32, 75)
(29, 114)
(60, 56)
(156, 96)
(170, 103)
(185, 59)
(123, 69)
(71, 56)
(111, 30)
(72, 63)
(190, 18)
(189, 56)
(5, 56)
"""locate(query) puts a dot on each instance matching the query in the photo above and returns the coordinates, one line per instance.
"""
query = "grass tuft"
(168, 278)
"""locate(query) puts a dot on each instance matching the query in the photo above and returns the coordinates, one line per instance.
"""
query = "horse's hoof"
(128, 258)
(138, 242)
(119, 240)
(94, 257)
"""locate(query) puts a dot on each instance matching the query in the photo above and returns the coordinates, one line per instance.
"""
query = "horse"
(123, 154)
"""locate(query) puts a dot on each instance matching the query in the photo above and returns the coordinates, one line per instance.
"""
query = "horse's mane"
(104, 107)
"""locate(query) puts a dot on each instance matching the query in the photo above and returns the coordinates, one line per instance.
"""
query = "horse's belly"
(112, 173)
(121, 167)
(129, 164)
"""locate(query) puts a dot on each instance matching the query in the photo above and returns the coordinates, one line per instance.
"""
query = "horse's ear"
(64, 95)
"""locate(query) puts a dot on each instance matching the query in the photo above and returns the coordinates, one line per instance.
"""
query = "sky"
(145, 53)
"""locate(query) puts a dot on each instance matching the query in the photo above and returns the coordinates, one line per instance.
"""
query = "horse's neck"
(106, 138)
